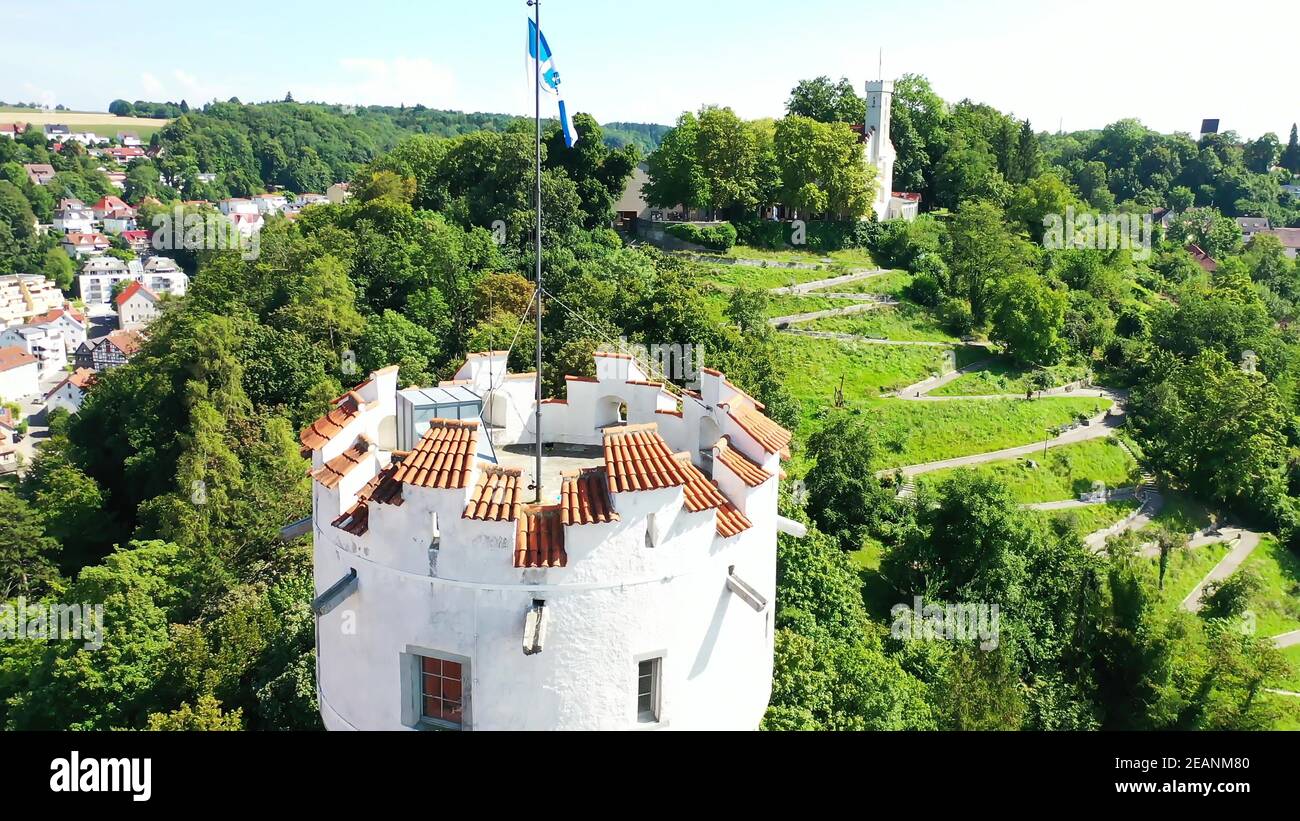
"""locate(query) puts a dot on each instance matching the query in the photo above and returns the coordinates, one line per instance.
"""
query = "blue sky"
(1086, 64)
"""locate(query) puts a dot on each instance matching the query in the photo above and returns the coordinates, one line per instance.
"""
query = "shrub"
(720, 237)
(924, 290)
(956, 316)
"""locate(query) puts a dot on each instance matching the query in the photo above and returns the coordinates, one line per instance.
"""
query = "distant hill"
(306, 146)
(646, 136)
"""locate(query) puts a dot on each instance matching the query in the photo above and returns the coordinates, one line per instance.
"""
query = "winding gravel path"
(1247, 541)
(865, 305)
(818, 284)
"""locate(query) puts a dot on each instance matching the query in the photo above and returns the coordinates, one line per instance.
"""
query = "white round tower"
(638, 595)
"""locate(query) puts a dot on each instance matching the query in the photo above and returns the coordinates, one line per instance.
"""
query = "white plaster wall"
(717, 651)
(617, 601)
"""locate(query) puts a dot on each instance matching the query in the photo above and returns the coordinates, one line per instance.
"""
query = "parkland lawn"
(910, 433)
(1063, 473)
(1001, 377)
(905, 322)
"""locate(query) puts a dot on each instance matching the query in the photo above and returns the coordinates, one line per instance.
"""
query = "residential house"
(1250, 226)
(116, 222)
(45, 342)
(163, 276)
(23, 296)
(71, 392)
(72, 216)
(271, 203)
(39, 173)
(1202, 259)
(1164, 217)
(69, 322)
(108, 352)
(56, 131)
(124, 154)
(108, 205)
(338, 193)
(1289, 237)
(139, 241)
(19, 374)
(904, 205)
(129, 139)
(137, 306)
(98, 276)
(12, 130)
(303, 200)
(118, 178)
(79, 245)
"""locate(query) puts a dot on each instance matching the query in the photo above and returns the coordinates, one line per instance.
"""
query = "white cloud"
(376, 81)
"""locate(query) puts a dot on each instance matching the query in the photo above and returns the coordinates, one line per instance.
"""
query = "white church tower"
(880, 151)
(639, 594)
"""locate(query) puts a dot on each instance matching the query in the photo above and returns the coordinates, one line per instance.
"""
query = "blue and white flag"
(548, 76)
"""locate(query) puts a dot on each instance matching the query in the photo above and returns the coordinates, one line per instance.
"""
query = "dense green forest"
(305, 147)
(162, 498)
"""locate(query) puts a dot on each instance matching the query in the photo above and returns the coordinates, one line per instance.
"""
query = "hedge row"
(720, 237)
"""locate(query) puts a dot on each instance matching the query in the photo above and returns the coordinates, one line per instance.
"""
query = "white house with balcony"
(73, 215)
(304, 200)
(163, 276)
(69, 323)
(44, 342)
(638, 594)
(79, 245)
(268, 204)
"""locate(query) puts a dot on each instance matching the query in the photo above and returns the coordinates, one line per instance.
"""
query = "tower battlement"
(669, 502)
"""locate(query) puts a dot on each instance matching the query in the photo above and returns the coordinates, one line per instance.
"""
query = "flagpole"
(537, 233)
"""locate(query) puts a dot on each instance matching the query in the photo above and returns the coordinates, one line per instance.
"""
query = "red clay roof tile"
(750, 472)
(333, 471)
(731, 521)
(584, 498)
(495, 497)
(315, 435)
(381, 489)
(444, 456)
(539, 538)
(772, 437)
(637, 458)
(699, 491)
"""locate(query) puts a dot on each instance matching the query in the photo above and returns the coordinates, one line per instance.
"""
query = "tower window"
(442, 692)
(647, 690)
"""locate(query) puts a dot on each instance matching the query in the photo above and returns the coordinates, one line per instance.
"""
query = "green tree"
(982, 251)
(59, 269)
(1028, 316)
(674, 172)
(27, 554)
(392, 339)
(1215, 426)
(1290, 156)
(844, 496)
(822, 169)
(825, 101)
